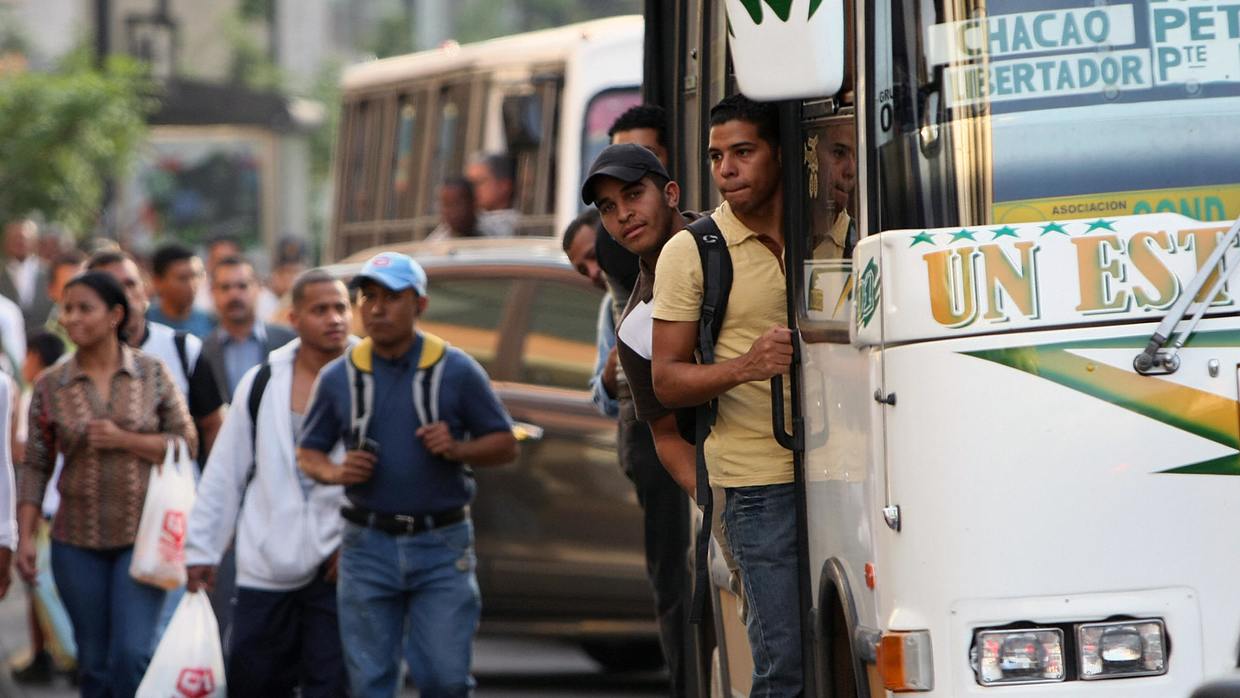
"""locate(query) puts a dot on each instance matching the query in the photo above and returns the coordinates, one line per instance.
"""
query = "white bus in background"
(1013, 480)
(546, 98)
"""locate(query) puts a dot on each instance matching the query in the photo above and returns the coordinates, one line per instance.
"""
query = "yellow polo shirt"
(741, 451)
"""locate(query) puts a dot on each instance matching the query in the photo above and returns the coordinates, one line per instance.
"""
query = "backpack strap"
(178, 340)
(360, 369)
(716, 283)
(428, 377)
(256, 397)
(426, 382)
(257, 388)
(716, 286)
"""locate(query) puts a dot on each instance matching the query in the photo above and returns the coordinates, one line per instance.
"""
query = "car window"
(467, 312)
(559, 347)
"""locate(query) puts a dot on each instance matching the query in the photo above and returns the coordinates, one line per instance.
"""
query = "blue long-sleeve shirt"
(604, 402)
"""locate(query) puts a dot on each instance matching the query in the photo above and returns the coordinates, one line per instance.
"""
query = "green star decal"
(962, 235)
(923, 236)
(1100, 225)
(1053, 227)
(1005, 231)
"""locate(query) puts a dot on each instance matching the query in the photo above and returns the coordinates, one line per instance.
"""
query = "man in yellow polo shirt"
(754, 345)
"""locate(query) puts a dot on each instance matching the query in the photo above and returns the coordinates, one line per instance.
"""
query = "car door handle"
(524, 431)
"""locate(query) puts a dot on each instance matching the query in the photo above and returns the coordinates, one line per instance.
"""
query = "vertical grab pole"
(794, 225)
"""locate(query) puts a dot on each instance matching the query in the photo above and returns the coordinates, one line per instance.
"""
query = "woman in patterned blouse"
(110, 410)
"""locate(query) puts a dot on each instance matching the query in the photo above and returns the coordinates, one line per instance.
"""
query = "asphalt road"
(504, 667)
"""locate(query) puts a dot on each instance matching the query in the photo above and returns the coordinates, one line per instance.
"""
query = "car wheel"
(617, 657)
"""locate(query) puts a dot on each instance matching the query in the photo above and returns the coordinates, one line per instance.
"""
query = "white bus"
(545, 98)
(1013, 480)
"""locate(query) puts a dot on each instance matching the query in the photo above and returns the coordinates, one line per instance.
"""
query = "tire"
(625, 656)
(841, 679)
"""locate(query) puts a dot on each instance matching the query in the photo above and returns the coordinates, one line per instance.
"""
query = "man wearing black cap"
(411, 412)
(637, 202)
(644, 125)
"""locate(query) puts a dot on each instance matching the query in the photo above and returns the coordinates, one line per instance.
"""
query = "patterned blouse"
(101, 492)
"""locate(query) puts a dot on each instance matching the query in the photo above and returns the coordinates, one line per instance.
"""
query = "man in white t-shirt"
(180, 351)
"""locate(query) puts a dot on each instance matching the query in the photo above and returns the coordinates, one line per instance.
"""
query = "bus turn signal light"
(905, 661)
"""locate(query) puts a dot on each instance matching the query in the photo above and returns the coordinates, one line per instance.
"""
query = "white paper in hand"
(637, 330)
(159, 549)
(188, 662)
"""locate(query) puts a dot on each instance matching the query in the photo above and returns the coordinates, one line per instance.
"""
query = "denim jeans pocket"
(458, 536)
(351, 533)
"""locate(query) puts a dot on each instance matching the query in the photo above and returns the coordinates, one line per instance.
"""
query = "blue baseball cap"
(394, 271)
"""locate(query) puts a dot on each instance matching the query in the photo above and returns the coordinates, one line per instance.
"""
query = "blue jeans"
(760, 523)
(113, 617)
(417, 591)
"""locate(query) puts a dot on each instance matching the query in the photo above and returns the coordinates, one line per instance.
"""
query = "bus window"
(448, 156)
(401, 191)
(358, 207)
(602, 111)
(531, 129)
(523, 128)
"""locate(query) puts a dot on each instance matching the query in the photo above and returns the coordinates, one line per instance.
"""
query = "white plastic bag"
(188, 661)
(159, 549)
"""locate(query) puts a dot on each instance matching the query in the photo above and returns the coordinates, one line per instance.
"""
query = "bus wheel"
(837, 668)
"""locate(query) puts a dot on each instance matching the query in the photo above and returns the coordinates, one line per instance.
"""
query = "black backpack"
(257, 388)
(716, 285)
(695, 423)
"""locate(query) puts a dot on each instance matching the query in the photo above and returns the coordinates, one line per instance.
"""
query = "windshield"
(601, 113)
(1041, 110)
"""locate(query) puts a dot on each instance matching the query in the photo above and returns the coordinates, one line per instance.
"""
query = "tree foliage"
(63, 134)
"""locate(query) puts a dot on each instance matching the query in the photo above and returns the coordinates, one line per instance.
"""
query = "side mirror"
(789, 49)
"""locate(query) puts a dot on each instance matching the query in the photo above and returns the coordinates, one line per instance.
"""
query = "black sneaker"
(38, 670)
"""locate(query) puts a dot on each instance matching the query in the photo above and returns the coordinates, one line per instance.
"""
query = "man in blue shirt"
(410, 412)
(242, 340)
(578, 244)
(176, 274)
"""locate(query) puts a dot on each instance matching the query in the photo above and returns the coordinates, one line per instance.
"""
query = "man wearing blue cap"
(412, 414)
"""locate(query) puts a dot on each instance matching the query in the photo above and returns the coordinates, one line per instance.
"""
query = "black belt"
(404, 524)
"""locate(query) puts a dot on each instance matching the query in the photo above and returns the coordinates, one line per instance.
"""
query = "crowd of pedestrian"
(92, 386)
(331, 528)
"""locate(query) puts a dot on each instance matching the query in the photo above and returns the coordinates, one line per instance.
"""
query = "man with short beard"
(242, 340)
(285, 633)
(742, 456)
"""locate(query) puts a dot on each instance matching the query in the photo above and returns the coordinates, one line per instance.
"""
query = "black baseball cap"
(627, 162)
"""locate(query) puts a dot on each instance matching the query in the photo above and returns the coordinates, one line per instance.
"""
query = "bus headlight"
(1027, 655)
(1123, 648)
